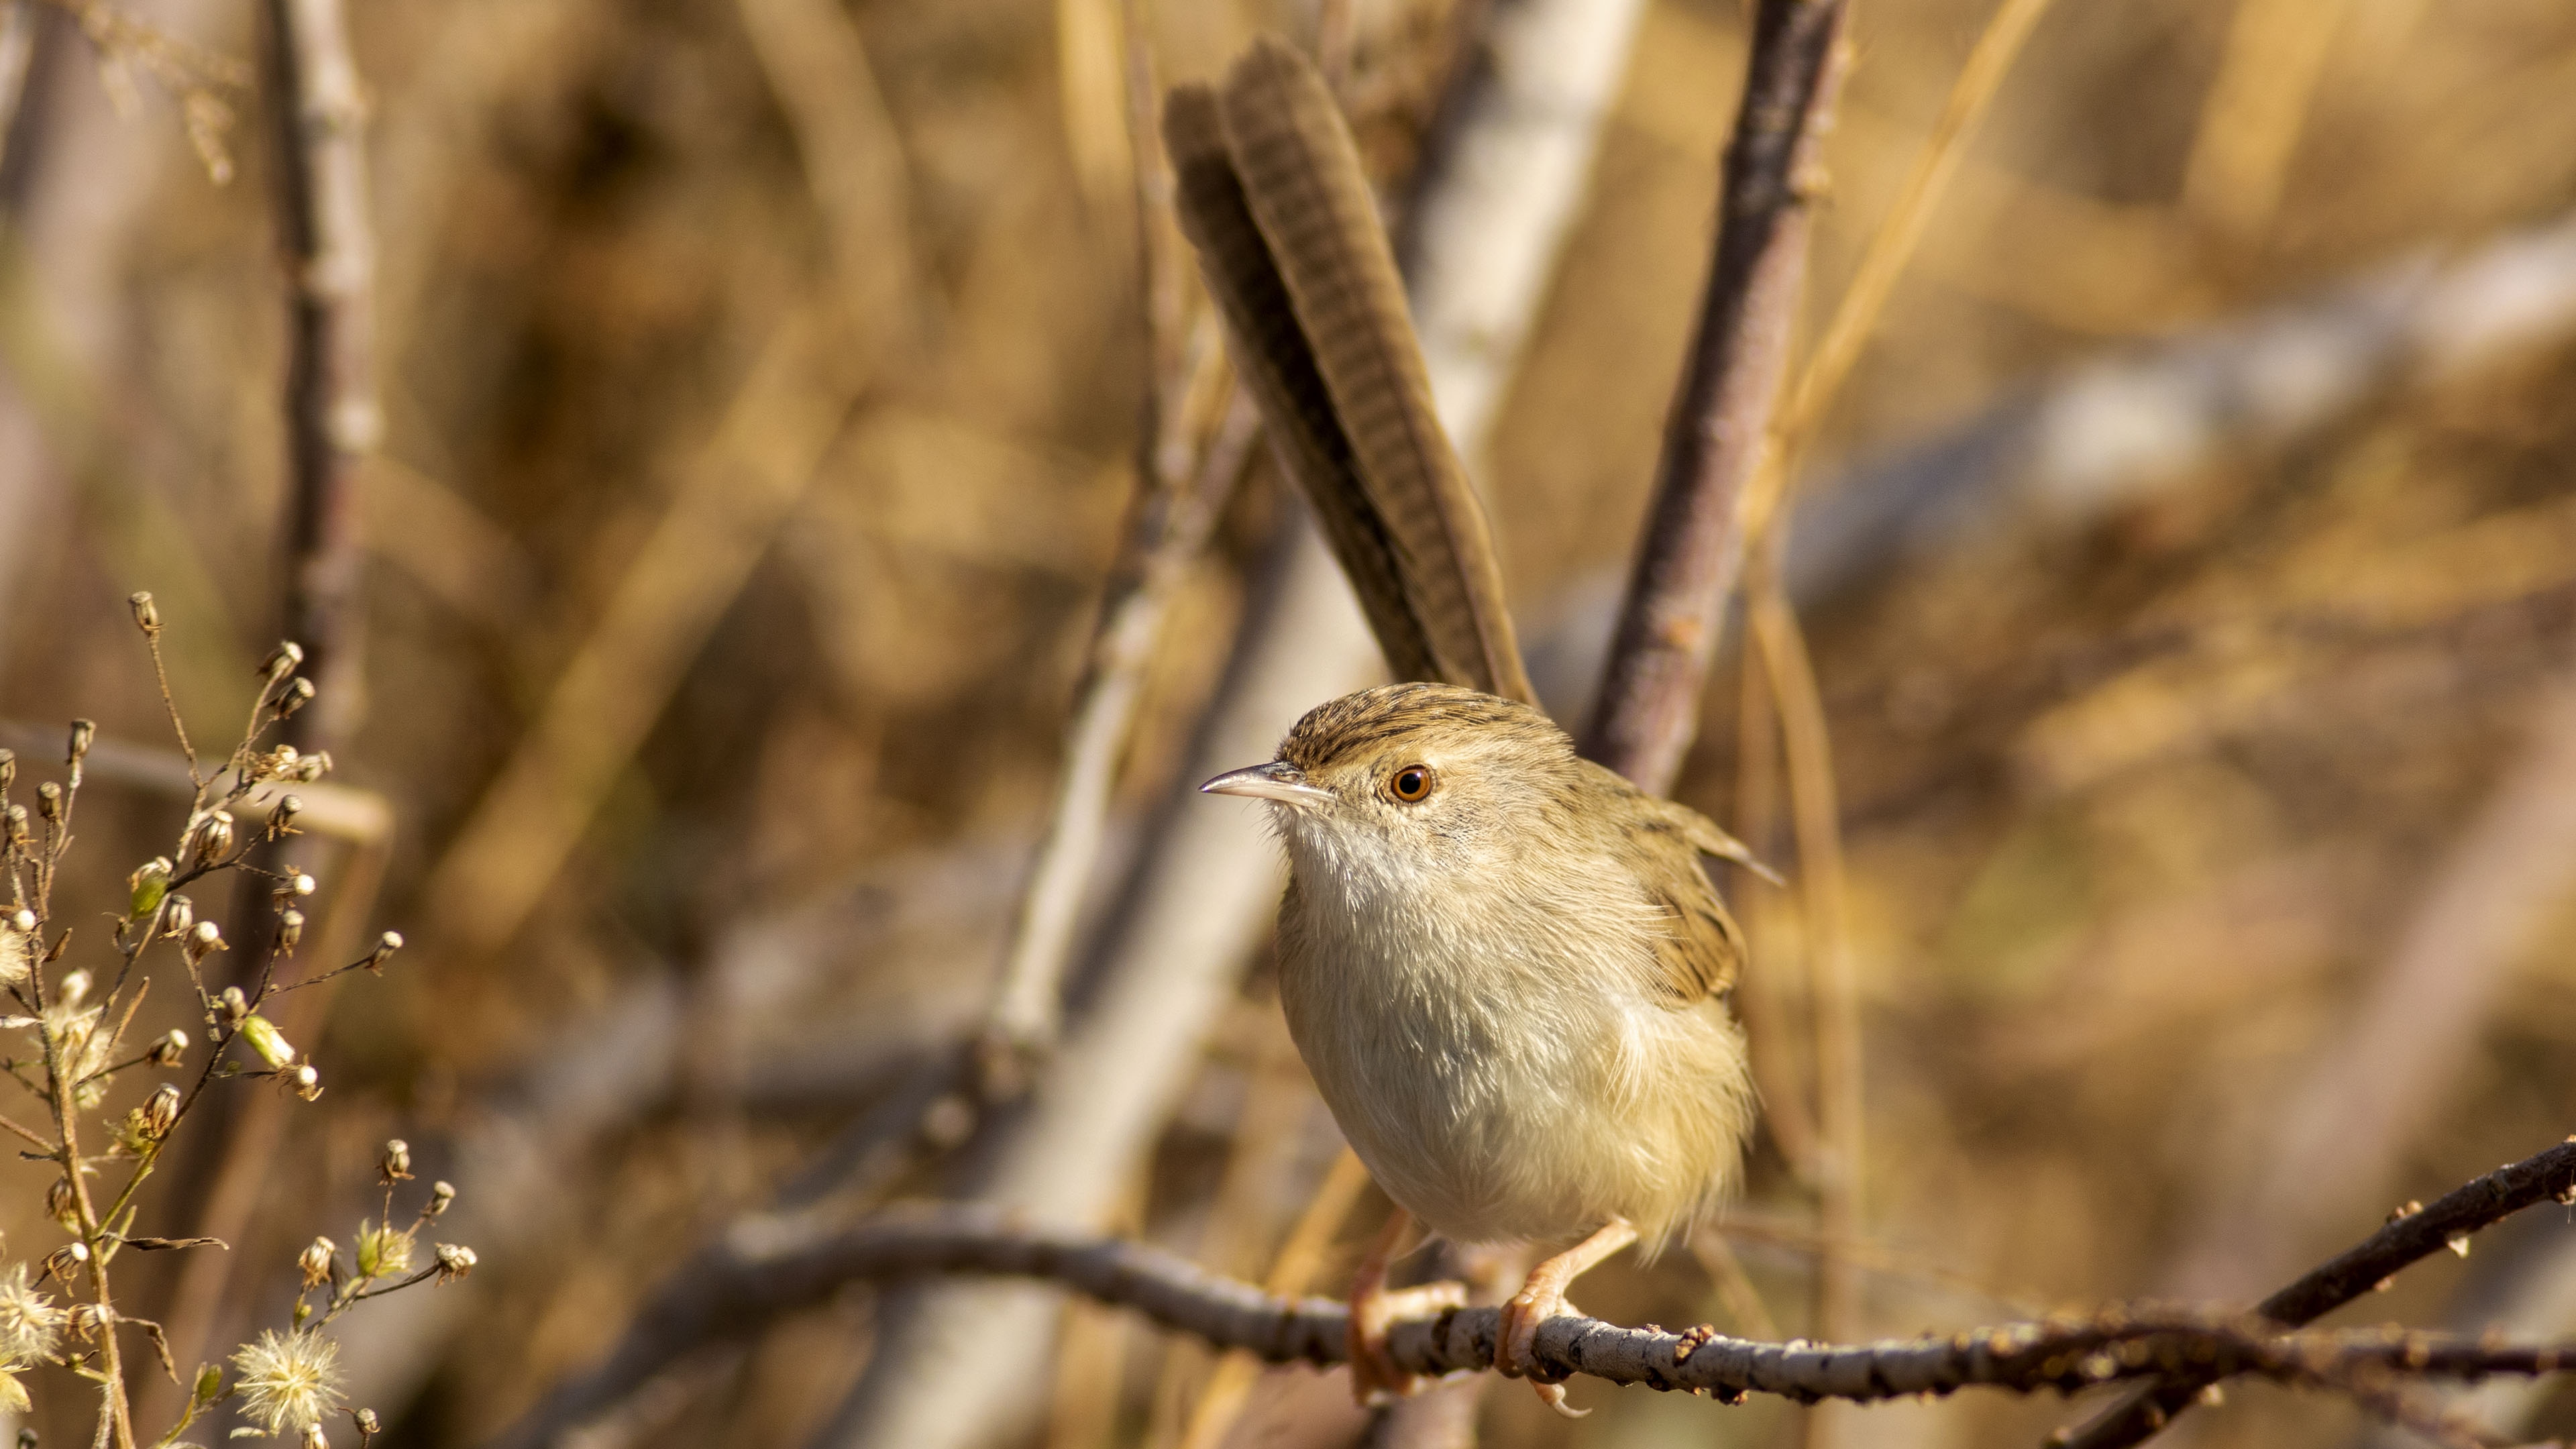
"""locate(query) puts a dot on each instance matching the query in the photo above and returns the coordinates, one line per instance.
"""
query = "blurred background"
(2189, 569)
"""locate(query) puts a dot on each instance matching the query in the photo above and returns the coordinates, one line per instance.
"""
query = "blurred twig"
(2249, 127)
(2370, 1093)
(317, 109)
(726, 509)
(17, 48)
(1691, 549)
(2409, 1236)
(1295, 1267)
(1182, 485)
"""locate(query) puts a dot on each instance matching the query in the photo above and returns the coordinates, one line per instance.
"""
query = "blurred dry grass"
(2138, 810)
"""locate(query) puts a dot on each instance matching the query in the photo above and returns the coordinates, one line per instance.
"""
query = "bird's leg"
(1374, 1377)
(1542, 1298)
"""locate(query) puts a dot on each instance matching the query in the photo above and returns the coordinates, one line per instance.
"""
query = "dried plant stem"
(1299, 1259)
(1764, 999)
(1734, 1287)
(1816, 816)
(17, 50)
(1182, 485)
(1691, 550)
(1891, 247)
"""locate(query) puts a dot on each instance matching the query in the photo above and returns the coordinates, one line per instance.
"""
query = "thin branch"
(2550, 1176)
(1691, 549)
(786, 1269)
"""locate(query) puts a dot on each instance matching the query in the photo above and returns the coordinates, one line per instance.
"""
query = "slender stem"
(1691, 549)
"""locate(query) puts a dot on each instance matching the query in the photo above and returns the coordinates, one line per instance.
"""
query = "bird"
(1506, 970)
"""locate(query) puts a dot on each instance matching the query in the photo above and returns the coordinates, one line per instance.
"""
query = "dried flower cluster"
(74, 1017)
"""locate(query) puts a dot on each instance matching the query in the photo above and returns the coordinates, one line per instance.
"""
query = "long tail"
(1272, 196)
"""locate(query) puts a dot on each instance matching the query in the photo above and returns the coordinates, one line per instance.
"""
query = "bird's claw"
(1516, 1342)
(1375, 1377)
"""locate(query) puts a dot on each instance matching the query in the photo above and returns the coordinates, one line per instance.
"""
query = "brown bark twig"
(782, 1268)
(1691, 549)
(2548, 1176)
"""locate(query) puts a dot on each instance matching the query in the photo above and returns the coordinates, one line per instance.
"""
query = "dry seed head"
(290, 931)
(282, 661)
(234, 1005)
(395, 1163)
(214, 836)
(8, 770)
(73, 988)
(17, 947)
(368, 1423)
(59, 1203)
(454, 1261)
(170, 1050)
(18, 825)
(442, 1196)
(161, 1110)
(386, 945)
(298, 694)
(203, 941)
(312, 767)
(288, 1378)
(30, 1324)
(49, 801)
(281, 820)
(315, 1261)
(306, 1082)
(84, 734)
(146, 617)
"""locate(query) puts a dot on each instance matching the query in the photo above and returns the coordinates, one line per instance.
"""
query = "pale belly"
(1514, 1103)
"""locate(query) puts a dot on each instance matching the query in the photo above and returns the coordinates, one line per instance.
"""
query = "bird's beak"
(1277, 780)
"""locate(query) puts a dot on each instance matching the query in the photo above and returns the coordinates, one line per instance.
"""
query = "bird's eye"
(1410, 783)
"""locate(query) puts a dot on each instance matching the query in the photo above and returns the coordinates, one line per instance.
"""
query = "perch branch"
(780, 1268)
(1692, 546)
(2358, 1270)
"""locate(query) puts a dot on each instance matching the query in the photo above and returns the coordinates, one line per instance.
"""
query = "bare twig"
(17, 49)
(2549, 1176)
(332, 416)
(1691, 550)
(783, 1269)
(1182, 486)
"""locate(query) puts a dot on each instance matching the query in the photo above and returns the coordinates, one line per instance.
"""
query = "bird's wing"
(1701, 948)
(1272, 195)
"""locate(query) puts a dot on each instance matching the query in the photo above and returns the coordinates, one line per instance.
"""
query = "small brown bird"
(1506, 970)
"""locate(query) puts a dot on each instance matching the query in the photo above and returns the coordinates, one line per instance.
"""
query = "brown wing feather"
(1702, 949)
(1279, 369)
(1302, 181)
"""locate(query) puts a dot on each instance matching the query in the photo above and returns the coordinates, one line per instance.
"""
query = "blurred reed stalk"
(315, 103)
(812, 367)
(1186, 468)
(1788, 673)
